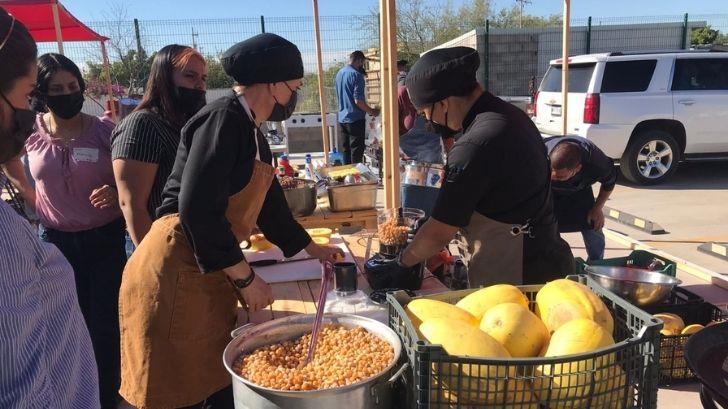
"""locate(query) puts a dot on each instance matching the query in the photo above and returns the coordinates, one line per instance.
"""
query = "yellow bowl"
(258, 242)
(320, 232)
(321, 241)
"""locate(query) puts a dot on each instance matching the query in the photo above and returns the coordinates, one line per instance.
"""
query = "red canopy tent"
(48, 20)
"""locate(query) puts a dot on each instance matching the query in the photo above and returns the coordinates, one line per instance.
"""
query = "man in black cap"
(497, 189)
(353, 107)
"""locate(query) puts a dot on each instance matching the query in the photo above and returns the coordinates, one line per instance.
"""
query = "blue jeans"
(594, 242)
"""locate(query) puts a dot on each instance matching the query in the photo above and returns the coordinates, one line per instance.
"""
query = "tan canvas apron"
(175, 321)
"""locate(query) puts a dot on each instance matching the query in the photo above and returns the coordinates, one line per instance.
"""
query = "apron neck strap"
(246, 107)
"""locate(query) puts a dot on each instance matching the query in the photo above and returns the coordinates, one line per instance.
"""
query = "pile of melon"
(495, 322)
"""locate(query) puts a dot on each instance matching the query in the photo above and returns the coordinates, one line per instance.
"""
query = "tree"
(703, 35)
(308, 100)
(216, 76)
(513, 18)
(130, 73)
(423, 24)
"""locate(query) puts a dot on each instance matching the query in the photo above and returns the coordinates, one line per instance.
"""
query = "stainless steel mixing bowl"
(639, 286)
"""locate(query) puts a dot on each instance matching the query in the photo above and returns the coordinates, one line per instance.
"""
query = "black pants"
(98, 257)
(354, 141)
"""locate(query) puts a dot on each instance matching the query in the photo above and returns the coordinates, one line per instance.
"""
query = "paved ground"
(692, 207)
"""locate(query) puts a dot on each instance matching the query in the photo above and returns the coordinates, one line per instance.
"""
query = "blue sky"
(182, 9)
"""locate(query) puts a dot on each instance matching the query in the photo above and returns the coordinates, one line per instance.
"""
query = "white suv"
(648, 111)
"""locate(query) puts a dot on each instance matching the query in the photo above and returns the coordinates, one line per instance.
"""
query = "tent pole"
(57, 25)
(109, 88)
(322, 95)
(565, 69)
(390, 120)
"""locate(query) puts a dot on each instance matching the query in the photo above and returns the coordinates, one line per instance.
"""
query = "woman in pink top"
(77, 206)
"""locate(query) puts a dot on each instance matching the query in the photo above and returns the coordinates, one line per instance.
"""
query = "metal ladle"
(326, 273)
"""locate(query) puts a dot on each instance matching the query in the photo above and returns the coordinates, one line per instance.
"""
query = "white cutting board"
(298, 271)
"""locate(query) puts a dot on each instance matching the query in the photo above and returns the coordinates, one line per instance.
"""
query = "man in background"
(576, 164)
(353, 107)
(407, 112)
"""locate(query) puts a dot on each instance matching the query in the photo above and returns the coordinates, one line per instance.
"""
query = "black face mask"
(12, 141)
(190, 100)
(443, 130)
(282, 112)
(65, 106)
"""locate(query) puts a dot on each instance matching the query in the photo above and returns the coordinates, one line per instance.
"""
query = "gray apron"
(529, 253)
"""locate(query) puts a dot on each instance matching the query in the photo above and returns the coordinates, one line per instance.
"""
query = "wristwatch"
(241, 283)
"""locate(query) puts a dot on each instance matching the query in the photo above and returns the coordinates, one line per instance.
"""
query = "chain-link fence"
(513, 59)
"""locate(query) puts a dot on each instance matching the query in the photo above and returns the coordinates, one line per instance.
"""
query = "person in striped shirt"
(46, 357)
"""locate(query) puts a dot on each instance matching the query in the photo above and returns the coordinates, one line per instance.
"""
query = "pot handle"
(398, 374)
(239, 330)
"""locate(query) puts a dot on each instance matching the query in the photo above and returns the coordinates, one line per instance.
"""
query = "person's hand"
(258, 294)
(375, 112)
(596, 218)
(104, 197)
(325, 253)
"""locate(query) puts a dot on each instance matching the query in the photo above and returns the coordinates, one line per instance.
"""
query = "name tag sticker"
(86, 155)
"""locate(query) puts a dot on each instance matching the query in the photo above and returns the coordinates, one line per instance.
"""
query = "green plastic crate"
(622, 376)
(637, 258)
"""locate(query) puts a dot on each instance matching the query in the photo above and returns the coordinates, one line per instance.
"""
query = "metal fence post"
(486, 69)
(685, 33)
(262, 24)
(588, 36)
(138, 39)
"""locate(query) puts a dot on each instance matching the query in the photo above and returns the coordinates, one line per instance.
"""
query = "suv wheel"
(650, 158)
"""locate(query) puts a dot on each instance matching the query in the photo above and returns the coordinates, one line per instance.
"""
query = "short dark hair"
(357, 56)
(52, 63)
(402, 63)
(17, 52)
(565, 155)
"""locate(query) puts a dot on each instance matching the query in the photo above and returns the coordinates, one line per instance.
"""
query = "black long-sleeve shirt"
(595, 166)
(214, 161)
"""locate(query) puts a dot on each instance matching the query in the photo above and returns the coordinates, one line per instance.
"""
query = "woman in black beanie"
(178, 301)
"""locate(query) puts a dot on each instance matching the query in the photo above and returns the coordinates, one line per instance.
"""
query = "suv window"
(700, 74)
(579, 77)
(628, 76)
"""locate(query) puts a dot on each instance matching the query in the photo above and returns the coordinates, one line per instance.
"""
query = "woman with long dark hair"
(46, 353)
(74, 197)
(145, 143)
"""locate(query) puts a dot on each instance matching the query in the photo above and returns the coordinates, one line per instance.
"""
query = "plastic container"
(336, 158)
(693, 310)
(308, 170)
(625, 374)
(637, 258)
(286, 164)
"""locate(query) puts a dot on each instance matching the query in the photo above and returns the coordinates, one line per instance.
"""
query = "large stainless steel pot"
(374, 392)
(302, 199)
(639, 286)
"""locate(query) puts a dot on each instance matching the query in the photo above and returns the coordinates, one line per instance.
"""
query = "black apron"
(530, 253)
(572, 209)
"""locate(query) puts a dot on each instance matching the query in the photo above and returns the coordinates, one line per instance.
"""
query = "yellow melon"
(516, 328)
(479, 302)
(563, 300)
(423, 309)
(571, 382)
(673, 324)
